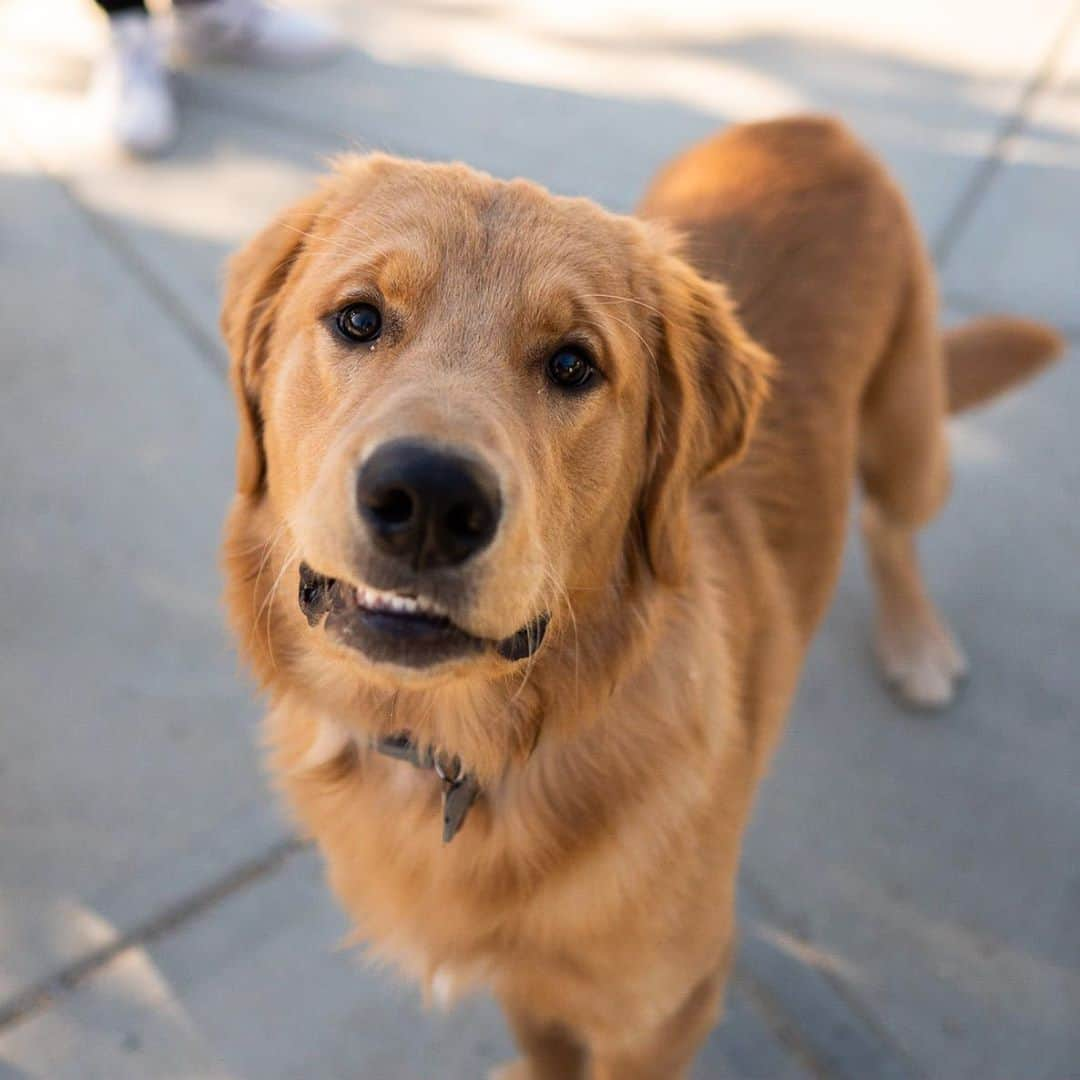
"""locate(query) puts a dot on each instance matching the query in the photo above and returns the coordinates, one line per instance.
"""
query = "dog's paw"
(921, 661)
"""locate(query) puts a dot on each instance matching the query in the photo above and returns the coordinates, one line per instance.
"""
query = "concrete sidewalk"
(911, 895)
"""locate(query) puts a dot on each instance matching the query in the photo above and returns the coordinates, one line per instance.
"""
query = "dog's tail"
(987, 356)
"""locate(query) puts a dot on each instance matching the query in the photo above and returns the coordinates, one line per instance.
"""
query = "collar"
(459, 789)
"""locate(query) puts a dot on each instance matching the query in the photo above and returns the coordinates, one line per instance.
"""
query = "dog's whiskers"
(268, 602)
(577, 639)
(313, 236)
(624, 299)
(269, 544)
(633, 330)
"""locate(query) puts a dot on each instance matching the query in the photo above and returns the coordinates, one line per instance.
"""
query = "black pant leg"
(115, 7)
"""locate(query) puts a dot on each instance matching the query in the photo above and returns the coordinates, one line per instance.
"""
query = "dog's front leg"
(549, 1051)
(667, 1052)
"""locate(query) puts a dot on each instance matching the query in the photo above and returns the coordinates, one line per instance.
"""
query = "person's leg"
(131, 84)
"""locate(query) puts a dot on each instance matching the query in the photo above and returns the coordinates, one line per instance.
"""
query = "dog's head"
(467, 407)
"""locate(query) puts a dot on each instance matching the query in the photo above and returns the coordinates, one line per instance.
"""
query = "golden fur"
(682, 522)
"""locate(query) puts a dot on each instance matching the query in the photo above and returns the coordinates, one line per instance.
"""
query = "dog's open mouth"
(398, 628)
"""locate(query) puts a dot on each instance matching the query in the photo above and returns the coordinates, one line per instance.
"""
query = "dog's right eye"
(570, 367)
(359, 322)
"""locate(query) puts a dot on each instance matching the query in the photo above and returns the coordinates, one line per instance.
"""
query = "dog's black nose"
(427, 505)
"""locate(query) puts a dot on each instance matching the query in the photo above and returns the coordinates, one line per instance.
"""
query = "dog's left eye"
(360, 322)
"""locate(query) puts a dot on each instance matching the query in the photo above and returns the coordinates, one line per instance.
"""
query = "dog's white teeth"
(377, 600)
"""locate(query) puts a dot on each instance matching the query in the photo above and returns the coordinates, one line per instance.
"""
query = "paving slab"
(129, 772)
(1020, 247)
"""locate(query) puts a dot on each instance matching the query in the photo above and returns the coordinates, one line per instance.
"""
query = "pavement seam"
(206, 346)
(777, 1019)
(187, 323)
(972, 195)
(861, 1014)
(39, 996)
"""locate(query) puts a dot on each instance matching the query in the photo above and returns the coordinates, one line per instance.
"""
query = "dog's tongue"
(525, 642)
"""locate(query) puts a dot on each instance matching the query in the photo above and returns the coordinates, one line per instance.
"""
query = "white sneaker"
(249, 32)
(131, 88)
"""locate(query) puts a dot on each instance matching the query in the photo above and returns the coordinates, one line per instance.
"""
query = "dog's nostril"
(394, 506)
(468, 520)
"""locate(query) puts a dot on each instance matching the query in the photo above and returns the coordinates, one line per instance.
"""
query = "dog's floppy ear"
(254, 283)
(709, 383)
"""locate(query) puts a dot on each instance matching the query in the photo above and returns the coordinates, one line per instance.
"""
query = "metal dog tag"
(457, 798)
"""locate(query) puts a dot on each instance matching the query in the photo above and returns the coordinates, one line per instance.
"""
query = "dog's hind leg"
(904, 469)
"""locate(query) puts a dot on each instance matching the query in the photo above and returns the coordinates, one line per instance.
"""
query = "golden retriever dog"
(537, 509)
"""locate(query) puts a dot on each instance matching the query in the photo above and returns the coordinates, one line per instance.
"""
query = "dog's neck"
(531, 744)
